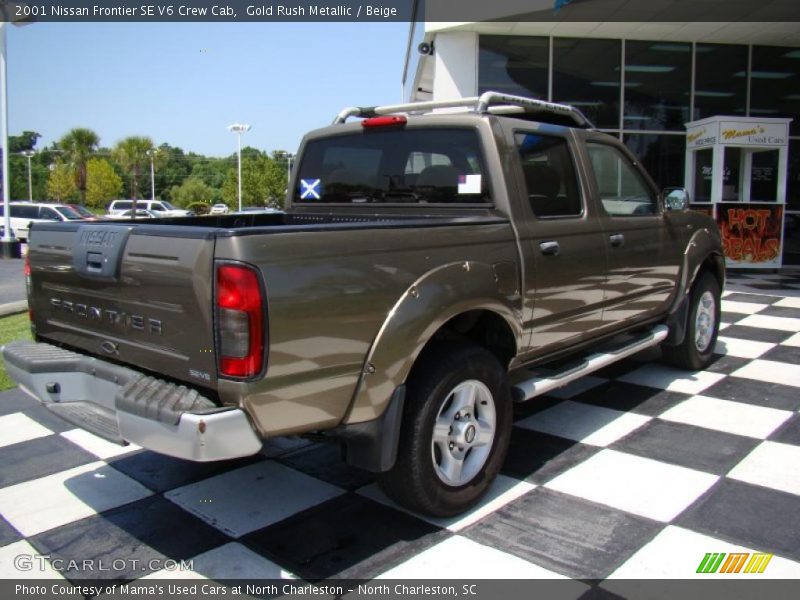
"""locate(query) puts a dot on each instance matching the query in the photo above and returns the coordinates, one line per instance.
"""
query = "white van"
(25, 213)
(162, 208)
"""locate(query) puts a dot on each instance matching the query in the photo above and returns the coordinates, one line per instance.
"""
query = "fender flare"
(702, 246)
(430, 302)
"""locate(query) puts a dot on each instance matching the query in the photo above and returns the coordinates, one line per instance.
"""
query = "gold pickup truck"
(436, 263)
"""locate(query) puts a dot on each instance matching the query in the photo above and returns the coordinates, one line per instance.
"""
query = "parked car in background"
(219, 209)
(84, 212)
(161, 208)
(141, 213)
(24, 213)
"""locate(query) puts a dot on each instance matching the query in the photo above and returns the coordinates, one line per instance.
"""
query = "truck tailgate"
(139, 299)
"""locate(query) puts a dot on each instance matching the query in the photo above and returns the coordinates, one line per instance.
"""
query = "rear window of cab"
(391, 166)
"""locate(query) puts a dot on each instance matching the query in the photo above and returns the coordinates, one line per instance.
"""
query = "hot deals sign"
(751, 233)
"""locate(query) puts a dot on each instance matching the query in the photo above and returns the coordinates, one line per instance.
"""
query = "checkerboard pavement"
(634, 472)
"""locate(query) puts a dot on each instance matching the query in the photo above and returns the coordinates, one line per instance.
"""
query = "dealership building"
(642, 82)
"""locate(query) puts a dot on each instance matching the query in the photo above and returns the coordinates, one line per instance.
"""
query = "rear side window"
(549, 174)
(622, 189)
(438, 166)
(25, 211)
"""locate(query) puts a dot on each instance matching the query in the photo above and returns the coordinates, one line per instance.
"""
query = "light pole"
(152, 154)
(239, 129)
(29, 155)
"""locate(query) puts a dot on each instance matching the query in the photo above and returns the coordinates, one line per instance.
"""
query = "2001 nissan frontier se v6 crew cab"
(433, 267)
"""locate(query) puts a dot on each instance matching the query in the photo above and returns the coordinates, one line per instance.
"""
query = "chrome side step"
(541, 383)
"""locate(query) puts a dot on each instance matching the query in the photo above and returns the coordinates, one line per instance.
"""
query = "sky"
(184, 83)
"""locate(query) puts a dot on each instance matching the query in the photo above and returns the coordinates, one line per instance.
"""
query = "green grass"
(14, 327)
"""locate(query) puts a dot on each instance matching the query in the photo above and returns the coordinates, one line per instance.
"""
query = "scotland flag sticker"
(310, 189)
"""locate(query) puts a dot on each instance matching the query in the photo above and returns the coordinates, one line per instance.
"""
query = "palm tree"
(77, 146)
(132, 154)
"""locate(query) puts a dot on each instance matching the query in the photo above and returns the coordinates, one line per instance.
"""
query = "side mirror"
(676, 198)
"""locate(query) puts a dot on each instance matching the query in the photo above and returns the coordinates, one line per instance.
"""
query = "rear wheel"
(697, 348)
(455, 432)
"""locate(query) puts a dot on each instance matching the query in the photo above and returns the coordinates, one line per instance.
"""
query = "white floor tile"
(577, 387)
(20, 560)
(724, 326)
(674, 380)
(771, 371)
(726, 415)
(503, 490)
(747, 308)
(771, 465)
(642, 486)
(741, 348)
(726, 293)
(252, 497)
(461, 558)
(42, 504)
(96, 445)
(231, 561)
(676, 553)
(585, 423)
(17, 427)
(792, 341)
(768, 322)
(788, 303)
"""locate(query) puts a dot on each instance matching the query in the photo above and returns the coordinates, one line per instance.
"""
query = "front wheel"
(455, 432)
(697, 349)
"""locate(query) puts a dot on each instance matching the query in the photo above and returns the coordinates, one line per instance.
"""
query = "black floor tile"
(789, 432)
(539, 457)
(349, 537)
(688, 446)
(40, 457)
(162, 473)
(8, 534)
(758, 393)
(754, 298)
(564, 534)
(757, 334)
(786, 354)
(325, 462)
(15, 400)
(534, 406)
(781, 311)
(752, 516)
(721, 363)
(124, 540)
(625, 397)
(776, 286)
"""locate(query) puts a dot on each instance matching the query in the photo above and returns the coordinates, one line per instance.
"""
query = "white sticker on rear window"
(469, 184)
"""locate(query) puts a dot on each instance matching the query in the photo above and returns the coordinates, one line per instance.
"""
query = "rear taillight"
(240, 321)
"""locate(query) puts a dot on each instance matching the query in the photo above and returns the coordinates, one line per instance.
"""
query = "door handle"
(549, 248)
(617, 240)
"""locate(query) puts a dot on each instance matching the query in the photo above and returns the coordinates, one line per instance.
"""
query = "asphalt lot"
(637, 471)
(12, 283)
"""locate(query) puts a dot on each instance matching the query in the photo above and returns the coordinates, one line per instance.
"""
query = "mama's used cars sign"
(753, 134)
(724, 131)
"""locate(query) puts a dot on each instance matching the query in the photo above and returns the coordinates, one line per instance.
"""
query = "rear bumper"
(125, 406)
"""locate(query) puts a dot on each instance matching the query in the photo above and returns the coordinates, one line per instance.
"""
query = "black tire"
(417, 480)
(690, 354)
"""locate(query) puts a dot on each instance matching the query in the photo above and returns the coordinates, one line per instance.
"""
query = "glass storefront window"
(586, 74)
(663, 157)
(658, 78)
(514, 65)
(793, 179)
(719, 88)
(775, 84)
